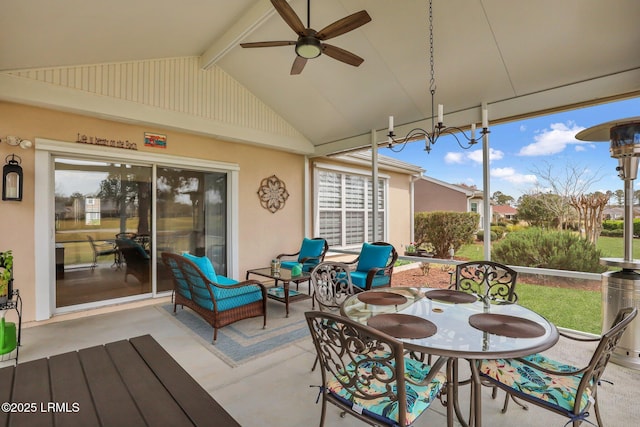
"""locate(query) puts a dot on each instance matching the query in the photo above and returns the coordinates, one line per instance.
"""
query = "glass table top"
(455, 335)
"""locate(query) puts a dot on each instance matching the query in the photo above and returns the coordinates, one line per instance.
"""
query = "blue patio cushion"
(137, 246)
(359, 279)
(306, 266)
(204, 264)
(288, 264)
(225, 298)
(419, 397)
(373, 256)
(555, 391)
(311, 248)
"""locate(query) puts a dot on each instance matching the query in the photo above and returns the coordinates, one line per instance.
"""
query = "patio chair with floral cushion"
(556, 386)
(489, 280)
(374, 265)
(365, 372)
(332, 285)
(219, 300)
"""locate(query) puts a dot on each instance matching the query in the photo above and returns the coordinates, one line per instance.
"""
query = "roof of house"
(505, 209)
(469, 192)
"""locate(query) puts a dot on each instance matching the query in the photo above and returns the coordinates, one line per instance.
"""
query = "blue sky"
(518, 148)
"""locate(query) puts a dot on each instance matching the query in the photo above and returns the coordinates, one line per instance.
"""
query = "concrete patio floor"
(273, 390)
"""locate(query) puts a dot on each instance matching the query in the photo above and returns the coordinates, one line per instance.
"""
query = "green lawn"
(568, 308)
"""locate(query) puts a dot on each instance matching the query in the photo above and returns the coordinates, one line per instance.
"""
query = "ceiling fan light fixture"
(308, 47)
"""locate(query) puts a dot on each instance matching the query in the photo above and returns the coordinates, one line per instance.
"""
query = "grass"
(613, 247)
(569, 308)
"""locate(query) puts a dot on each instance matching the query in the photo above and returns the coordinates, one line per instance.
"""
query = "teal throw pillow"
(311, 248)
(373, 256)
(204, 264)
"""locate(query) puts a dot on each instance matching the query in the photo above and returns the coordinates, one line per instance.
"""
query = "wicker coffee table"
(282, 293)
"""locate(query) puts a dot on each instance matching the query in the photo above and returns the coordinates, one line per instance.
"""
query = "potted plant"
(410, 249)
(6, 275)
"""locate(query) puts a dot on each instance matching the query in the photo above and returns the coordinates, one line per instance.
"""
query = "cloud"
(451, 157)
(474, 156)
(523, 128)
(580, 148)
(553, 140)
(510, 175)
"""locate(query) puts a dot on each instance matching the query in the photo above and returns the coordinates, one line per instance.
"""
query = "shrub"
(636, 227)
(499, 230)
(612, 224)
(480, 236)
(559, 250)
(618, 232)
(445, 230)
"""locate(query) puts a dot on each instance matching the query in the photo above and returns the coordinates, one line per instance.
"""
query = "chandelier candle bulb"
(485, 118)
(390, 124)
(440, 113)
(473, 131)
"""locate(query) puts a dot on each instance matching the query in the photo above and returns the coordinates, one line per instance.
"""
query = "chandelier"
(437, 129)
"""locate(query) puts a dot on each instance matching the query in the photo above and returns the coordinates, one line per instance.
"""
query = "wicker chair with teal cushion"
(553, 385)
(137, 260)
(374, 265)
(311, 253)
(219, 300)
(365, 372)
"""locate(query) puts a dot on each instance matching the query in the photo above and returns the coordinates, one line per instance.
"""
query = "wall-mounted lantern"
(12, 179)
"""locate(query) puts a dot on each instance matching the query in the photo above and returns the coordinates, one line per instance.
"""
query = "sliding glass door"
(105, 236)
(102, 230)
(191, 217)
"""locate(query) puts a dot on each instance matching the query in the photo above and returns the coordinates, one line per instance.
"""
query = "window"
(474, 207)
(344, 211)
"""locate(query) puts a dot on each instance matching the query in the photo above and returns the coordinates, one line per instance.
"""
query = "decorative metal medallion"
(273, 194)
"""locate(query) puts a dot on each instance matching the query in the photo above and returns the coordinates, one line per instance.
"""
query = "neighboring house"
(432, 195)
(617, 212)
(503, 213)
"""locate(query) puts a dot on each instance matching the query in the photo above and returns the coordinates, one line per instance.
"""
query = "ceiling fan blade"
(341, 55)
(298, 65)
(344, 25)
(289, 16)
(268, 44)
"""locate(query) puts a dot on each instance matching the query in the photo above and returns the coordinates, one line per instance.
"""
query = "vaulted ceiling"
(519, 57)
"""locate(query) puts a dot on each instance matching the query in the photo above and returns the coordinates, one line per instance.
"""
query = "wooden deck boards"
(130, 382)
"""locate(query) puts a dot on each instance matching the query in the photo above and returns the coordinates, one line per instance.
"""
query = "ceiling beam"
(247, 24)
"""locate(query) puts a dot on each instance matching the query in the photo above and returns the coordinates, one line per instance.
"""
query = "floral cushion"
(419, 397)
(551, 390)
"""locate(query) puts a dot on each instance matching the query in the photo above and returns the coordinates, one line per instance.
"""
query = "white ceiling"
(519, 57)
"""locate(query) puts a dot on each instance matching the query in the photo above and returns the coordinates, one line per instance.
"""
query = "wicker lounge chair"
(219, 300)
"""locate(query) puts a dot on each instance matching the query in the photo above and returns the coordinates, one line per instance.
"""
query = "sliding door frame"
(44, 231)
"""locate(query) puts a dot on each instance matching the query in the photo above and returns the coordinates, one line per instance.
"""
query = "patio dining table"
(455, 325)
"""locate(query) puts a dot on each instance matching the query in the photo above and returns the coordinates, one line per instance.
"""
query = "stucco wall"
(430, 197)
(262, 234)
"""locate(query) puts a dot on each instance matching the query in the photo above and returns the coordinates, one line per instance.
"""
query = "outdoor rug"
(245, 340)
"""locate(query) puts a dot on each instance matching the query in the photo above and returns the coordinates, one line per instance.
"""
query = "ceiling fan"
(310, 42)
